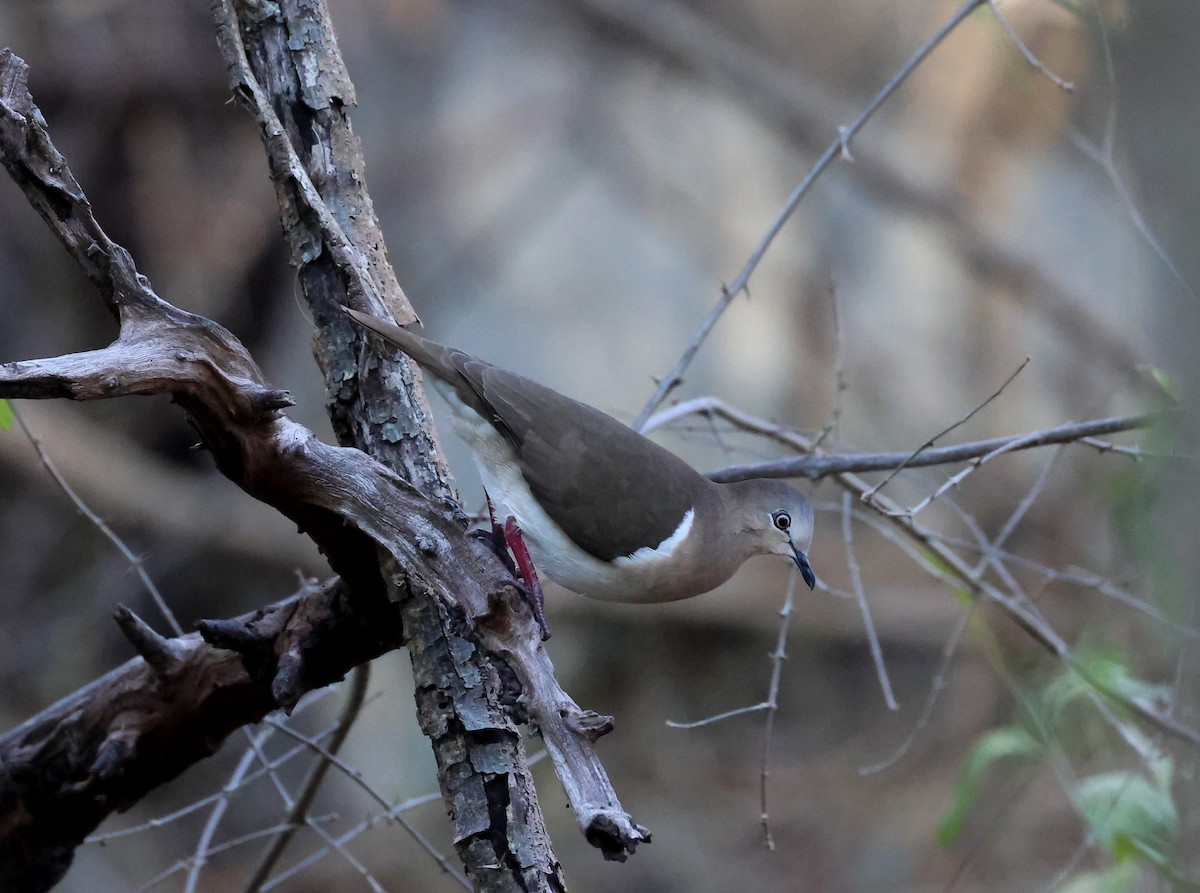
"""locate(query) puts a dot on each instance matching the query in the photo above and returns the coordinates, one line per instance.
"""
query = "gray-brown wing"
(611, 490)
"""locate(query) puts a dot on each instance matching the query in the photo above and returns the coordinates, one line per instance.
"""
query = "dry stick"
(785, 613)
(839, 370)
(799, 107)
(991, 552)
(1034, 62)
(223, 846)
(821, 465)
(297, 816)
(936, 686)
(210, 827)
(96, 521)
(1020, 613)
(860, 595)
(355, 863)
(389, 814)
(719, 717)
(772, 708)
(134, 560)
(838, 148)
(313, 858)
(163, 821)
(1102, 155)
(1080, 577)
(356, 776)
(931, 441)
(993, 556)
(954, 480)
(1136, 453)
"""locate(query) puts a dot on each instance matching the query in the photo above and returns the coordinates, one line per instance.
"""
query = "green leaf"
(1131, 815)
(1165, 382)
(998, 744)
(6, 415)
(1120, 878)
(1105, 675)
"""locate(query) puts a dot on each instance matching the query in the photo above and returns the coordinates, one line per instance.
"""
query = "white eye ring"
(781, 520)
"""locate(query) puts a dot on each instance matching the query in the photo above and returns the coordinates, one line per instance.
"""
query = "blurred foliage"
(1071, 722)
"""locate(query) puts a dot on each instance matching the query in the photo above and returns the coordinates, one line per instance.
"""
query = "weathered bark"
(103, 747)
(473, 643)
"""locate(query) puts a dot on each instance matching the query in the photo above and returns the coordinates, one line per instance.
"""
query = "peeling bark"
(407, 570)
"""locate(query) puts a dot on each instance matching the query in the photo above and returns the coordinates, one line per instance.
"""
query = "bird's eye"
(781, 520)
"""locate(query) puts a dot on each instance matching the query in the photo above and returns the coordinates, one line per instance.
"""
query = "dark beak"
(806, 570)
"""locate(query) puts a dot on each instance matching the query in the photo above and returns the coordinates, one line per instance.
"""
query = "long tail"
(428, 353)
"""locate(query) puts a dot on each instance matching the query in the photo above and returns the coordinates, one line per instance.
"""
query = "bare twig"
(932, 440)
(218, 848)
(799, 107)
(955, 479)
(772, 703)
(836, 149)
(298, 814)
(99, 523)
(936, 687)
(204, 843)
(1102, 155)
(955, 568)
(860, 595)
(816, 467)
(356, 777)
(135, 561)
(380, 817)
(1033, 60)
(719, 717)
(350, 858)
(164, 820)
(839, 370)
(342, 839)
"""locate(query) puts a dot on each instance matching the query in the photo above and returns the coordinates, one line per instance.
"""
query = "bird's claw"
(505, 538)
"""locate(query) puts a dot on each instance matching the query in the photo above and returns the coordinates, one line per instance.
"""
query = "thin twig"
(385, 816)
(839, 370)
(350, 858)
(1103, 156)
(164, 820)
(342, 839)
(931, 441)
(860, 595)
(816, 467)
(936, 687)
(297, 816)
(1034, 62)
(836, 149)
(1136, 453)
(99, 523)
(134, 560)
(777, 659)
(991, 552)
(718, 717)
(210, 827)
(954, 480)
(217, 849)
(356, 776)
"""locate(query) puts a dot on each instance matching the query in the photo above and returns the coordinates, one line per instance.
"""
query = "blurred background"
(564, 187)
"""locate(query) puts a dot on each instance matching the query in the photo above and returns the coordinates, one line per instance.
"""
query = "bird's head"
(777, 519)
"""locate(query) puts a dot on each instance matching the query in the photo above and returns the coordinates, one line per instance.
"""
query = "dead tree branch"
(60, 776)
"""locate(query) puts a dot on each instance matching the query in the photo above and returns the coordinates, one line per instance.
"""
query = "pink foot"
(537, 600)
(501, 539)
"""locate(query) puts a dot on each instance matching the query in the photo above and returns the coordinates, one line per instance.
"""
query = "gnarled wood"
(62, 772)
